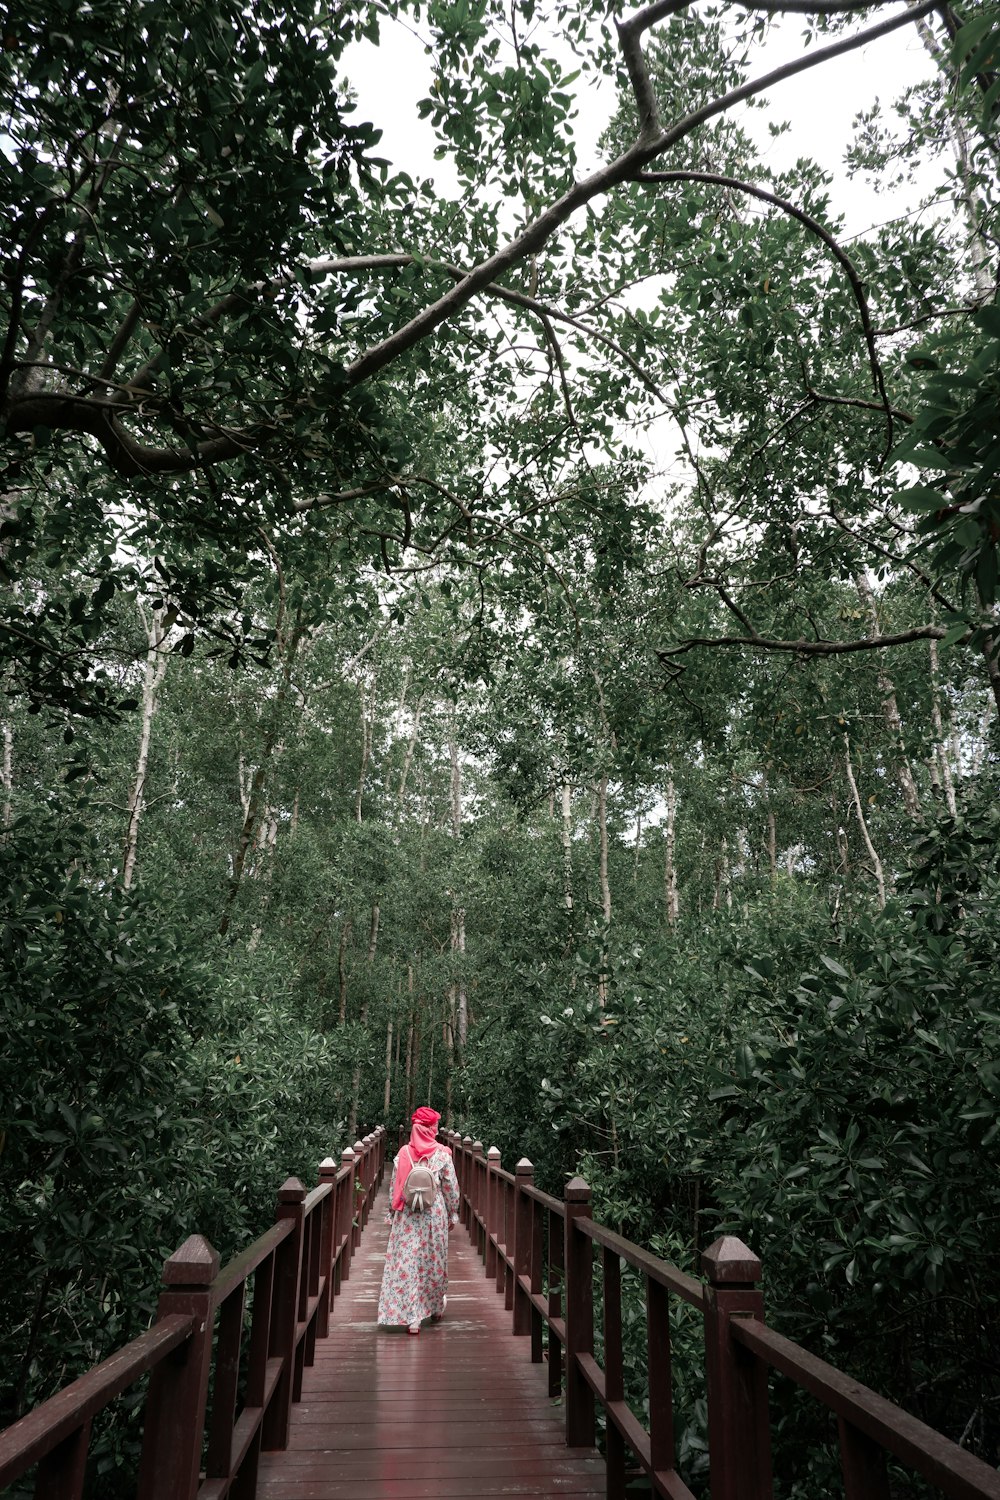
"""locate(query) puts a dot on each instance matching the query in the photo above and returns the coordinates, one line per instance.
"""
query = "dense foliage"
(386, 718)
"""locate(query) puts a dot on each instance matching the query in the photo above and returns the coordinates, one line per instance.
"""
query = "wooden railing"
(194, 1353)
(540, 1252)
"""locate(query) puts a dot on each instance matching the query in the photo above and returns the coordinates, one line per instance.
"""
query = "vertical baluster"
(661, 1396)
(492, 1216)
(345, 1201)
(557, 1250)
(478, 1196)
(862, 1463)
(739, 1439)
(537, 1213)
(178, 1387)
(224, 1387)
(524, 1174)
(579, 1273)
(357, 1197)
(284, 1314)
(505, 1239)
(327, 1174)
(614, 1373)
(465, 1211)
(61, 1472)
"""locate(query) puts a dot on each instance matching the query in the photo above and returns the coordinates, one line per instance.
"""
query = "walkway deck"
(459, 1413)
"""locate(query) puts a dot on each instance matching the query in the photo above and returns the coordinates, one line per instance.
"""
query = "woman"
(415, 1279)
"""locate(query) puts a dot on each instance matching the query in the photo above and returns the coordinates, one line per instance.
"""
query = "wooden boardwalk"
(459, 1413)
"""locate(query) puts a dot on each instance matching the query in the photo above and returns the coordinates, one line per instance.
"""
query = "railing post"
(467, 1170)
(491, 1215)
(327, 1173)
(283, 1343)
(579, 1280)
(524, 1176)
(739, 1440)
(345, 1205)
(357, 1197)
(178, 1387)
(477, 1200)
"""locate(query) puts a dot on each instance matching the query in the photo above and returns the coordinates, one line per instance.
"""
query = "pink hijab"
(423, 1140)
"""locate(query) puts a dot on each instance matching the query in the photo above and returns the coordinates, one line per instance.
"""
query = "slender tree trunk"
(567, 845)
(772, 846)
(388, 1069)
(8, 773)
(352, 1123)
(410, 747)
(941, 747)
(859, 810)
(153, 674)
(602, 829)
(890, 706)
(979, 752)
(638, 846)
(458, 909)
(345, 938)
(669, 865)
(366, 746)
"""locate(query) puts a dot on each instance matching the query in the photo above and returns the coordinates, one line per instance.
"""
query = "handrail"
(295, 1269)
(540, 1250)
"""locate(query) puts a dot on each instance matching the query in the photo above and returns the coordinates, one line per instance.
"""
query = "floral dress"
(415, 1278)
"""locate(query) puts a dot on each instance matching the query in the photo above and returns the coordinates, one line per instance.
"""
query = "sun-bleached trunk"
(366, 714)
(345, 938)
(7, 773)
(567, 845)
(461, 1006)
(772, 845)
(862, 824)
(670, 892)
(890, 706)
(388, 1069)
(410, 747)
(941, 743)
(602, 833)
(154, 671)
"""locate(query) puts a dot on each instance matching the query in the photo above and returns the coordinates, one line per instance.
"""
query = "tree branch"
(807, 648)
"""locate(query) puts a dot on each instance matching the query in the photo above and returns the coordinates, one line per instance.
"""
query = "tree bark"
(567, 845)
(856, 799)
(8, 773)
(388, 1069)
(890, 706)
(345, 938)
(153, 674)
(669, 867)
(941, 743)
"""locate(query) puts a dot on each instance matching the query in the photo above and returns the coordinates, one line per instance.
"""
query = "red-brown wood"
(458, 1413)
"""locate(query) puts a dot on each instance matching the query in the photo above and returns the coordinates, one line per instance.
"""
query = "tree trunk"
(772, 846)
(669, 866)
(155, 670)
(345, 938)
(856, 799)
(890, 707)
(366, 746)
(388, 1069)
(408, 757)
(567, 845)
(8, 773)
(941, 746)
(458, 910)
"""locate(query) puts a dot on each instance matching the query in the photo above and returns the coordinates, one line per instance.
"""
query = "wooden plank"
(459, 1413)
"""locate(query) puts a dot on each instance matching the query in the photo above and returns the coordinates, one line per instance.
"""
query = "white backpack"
(420, 1188)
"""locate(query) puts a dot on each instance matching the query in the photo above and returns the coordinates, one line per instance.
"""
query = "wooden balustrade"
(194, 1352)
(540, 1251)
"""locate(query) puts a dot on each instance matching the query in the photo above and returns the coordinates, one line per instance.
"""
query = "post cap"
(477, 1147)
(347, 1154)
(359, 1147)
(728, 1262)
(525, 1168)
(494, 1153)
(291, 1191)
(327, 1167)
(467, 1140)
(196, 1263)
(577, 1191)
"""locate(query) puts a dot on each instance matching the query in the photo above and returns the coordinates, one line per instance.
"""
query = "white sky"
(821, 105)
